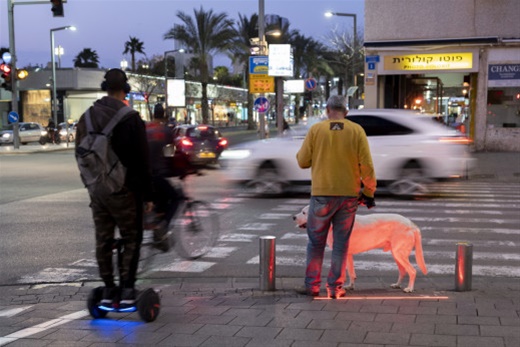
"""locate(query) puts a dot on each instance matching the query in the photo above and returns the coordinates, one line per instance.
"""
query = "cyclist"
(166, 198)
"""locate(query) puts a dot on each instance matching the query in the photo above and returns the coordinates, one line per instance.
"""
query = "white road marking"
(257, 226)
(455, 230)
(13, 311)
(275, 216)
(57, 275)
(187, 266)
(238, 238)
(38, 328)
(220, 252)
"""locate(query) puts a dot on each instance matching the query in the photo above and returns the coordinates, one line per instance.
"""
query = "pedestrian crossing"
(484, 214)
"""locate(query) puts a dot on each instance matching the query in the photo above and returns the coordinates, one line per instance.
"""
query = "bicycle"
(193, 230)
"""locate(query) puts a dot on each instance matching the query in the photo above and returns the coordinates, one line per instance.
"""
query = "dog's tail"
(419, 256)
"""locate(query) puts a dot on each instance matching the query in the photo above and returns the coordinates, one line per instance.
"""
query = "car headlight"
(235, 154)
(43, 132)
(63, 132)
(6, 136)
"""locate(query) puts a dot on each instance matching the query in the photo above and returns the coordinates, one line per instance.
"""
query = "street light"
(353, 15)
(123, 64)
(181, 50)
(54, 98)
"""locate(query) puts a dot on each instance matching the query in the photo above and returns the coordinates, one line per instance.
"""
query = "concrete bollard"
(464, 267)
(267, 263)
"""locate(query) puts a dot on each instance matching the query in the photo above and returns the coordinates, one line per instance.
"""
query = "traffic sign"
(13, 117)
(371, 66)
(372, 59)
(261, 84)
(310, 83)
(261, 104)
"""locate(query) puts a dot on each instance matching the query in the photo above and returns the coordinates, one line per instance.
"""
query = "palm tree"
(134, 46)
(204, 34)
(240, 52)
(87, 58)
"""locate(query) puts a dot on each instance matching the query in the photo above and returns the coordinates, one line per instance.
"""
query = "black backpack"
(100, 169)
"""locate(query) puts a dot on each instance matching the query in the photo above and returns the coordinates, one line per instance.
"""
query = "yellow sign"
(261, 84)
(437, 61)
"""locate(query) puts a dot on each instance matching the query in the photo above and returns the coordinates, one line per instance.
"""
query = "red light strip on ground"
(386, 298)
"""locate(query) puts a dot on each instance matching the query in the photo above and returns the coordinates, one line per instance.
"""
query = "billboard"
(280, 60)
(176, 91)
(293, 86)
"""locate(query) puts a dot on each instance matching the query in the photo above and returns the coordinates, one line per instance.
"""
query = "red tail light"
(459, 140)
(202, 127)
(223, 142)
(186, 142)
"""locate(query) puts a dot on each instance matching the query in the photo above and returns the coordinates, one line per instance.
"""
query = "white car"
(408, 149)
(27, 132)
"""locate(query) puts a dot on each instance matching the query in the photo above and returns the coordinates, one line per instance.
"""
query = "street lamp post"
(181, 50)
(354, 16)
(263, 44)
(54, 96)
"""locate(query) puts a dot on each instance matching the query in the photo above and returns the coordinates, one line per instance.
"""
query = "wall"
(420, 19)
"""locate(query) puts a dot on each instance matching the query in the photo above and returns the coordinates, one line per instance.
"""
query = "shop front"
(472, 89)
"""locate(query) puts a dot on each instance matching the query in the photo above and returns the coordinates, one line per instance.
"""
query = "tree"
(204, 34)
(240, 50)
(87, 58)
(345, 59)
(134, 46)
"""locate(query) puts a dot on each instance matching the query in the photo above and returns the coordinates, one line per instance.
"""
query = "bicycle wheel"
(197, 229)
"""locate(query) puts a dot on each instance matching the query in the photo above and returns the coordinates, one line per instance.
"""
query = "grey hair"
(337, 102)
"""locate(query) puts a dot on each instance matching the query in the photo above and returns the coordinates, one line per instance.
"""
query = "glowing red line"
(386, 298)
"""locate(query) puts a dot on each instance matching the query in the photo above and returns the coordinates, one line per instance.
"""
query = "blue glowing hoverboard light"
(106, 308)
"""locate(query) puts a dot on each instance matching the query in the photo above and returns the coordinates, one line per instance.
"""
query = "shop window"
(503, 107)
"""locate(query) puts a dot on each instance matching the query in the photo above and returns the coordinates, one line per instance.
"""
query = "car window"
(34, 126)
(377, 126)
(202, 133)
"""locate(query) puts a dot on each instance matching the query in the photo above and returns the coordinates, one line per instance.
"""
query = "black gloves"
(366, 201)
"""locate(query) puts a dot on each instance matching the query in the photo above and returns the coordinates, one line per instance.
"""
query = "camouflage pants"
(125, 211)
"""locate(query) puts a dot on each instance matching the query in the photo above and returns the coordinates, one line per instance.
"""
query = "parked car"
(63, 131)
(408, 149)
(200, 144)
(28, 132)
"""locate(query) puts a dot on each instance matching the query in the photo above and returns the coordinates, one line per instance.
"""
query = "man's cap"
(337, 102)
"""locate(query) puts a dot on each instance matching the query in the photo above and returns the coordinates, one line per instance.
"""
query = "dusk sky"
(105, 25)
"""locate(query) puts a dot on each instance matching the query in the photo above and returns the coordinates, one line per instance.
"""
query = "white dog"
(391, 232)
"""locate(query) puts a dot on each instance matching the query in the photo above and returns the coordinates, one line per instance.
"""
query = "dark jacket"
(128, 142)
(159, 135)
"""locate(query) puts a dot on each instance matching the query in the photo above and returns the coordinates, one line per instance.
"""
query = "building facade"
(458, 59)
(78, 88)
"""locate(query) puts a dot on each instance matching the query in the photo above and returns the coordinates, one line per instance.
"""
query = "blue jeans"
(340, 211)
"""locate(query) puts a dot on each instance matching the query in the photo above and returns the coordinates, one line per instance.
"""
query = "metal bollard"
(463, 267)
(267, 263)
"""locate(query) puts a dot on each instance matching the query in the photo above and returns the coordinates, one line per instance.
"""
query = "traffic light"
(6, 75)
(21, 74)
(57, 8)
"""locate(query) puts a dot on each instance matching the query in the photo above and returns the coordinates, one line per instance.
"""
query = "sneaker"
(109, 295)
(306, 291)
(338, 293)
(160, 232)
(128, 296)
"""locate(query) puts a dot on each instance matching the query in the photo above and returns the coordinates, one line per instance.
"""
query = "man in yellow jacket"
(337, 152)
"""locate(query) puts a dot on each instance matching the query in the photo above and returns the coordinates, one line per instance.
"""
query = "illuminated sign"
(280, 60)
(261, 84)
(258, 65)
(437, 61)
(176, 93)
(294, 86)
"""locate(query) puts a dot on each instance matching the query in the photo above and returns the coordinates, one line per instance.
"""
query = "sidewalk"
(234, 312)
